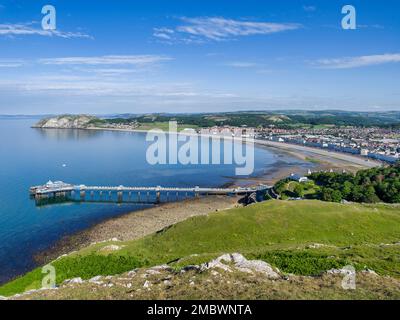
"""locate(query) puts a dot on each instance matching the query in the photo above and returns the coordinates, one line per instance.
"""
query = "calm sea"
(34, 156)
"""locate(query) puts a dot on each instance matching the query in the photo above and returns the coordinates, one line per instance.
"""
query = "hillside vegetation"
(299, 237)
(279, 119)
(379, 184)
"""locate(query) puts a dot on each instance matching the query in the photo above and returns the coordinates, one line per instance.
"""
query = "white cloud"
(309, 8)
(163, 33)
(26, 29)
(84, 86)
(357, 62)
(201, 29)
(11, 63)
(137, 60)
(241, 64)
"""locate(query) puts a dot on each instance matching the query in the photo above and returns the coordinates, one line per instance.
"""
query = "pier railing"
(59, 189)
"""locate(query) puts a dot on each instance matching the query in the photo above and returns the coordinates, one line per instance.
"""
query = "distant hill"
(66, 122)
(281, 119)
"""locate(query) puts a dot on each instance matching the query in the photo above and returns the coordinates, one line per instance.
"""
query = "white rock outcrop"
(111, 247)
(66, 122)
(239, 262)
(73, 281)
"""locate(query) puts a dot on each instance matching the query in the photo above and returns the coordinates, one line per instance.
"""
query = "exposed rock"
(66, 122)
(132, 273)
(342, 271)
(152, 271)
(74, 280)
(315, 246)
(3, 298)
(167, 283)
(163, 267)
(369, 271)
(147, 284)
(217, 263)
(111, 247)
(96, 280)
(240, 263)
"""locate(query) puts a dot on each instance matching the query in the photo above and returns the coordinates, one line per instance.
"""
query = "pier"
(58, 191)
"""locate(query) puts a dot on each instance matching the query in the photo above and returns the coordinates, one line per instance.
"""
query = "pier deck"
(60, 189)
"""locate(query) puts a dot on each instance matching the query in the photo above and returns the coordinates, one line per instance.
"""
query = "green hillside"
(282, 233)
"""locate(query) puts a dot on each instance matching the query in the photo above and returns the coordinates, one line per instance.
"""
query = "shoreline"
(344, 159)
(139, 223)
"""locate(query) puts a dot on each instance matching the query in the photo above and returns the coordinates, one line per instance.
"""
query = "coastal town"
(372, 143)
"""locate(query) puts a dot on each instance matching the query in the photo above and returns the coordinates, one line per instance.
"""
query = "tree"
(331, 195)
(299, 190)
(347, 189)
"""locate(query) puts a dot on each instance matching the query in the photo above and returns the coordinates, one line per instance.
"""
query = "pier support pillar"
(119, 194)
(158, 197)
(138, 195)
(82, 195)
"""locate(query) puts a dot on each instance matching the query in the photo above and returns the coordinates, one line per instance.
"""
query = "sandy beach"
(325, 158)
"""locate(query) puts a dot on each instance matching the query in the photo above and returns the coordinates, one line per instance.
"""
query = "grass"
(302, 262)
(309, 189)
(164, 126)
(313, 160)
(278, 232)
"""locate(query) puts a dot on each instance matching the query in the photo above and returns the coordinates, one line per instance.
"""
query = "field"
(304, 238)
(164, 126)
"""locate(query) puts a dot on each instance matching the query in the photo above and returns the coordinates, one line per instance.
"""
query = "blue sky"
(198, 56)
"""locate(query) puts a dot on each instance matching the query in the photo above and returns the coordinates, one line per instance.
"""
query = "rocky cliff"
(66, 122)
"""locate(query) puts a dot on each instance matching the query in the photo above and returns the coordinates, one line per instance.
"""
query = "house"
(298, 178)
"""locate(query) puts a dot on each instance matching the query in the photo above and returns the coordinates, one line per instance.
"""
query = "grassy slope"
(275, 231)
(163, 126)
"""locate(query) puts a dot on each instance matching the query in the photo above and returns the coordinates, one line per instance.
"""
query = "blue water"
(34, 156)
